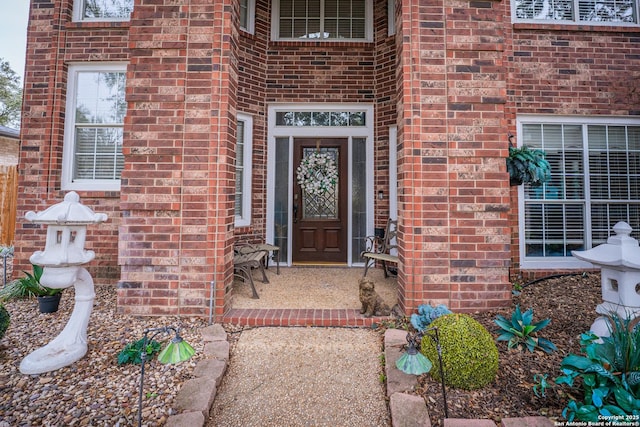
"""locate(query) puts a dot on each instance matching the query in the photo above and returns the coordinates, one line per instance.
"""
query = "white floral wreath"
(317, 173)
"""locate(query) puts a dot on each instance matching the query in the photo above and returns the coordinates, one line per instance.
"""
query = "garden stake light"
(415, 363)
(177, 351)
(5, 252)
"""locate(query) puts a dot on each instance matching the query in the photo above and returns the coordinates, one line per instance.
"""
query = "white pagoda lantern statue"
(62, 261)
(619, 260)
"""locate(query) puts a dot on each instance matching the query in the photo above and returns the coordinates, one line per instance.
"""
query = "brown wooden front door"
(320, 217)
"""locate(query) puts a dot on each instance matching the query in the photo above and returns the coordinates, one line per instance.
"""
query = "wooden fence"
(8, 198)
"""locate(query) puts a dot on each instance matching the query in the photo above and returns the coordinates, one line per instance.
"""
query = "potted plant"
(30, 286)
(526, 165)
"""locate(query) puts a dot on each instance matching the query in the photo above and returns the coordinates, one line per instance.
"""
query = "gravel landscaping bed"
(95, 390)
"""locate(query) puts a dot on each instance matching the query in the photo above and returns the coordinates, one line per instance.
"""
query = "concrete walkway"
(196, 397)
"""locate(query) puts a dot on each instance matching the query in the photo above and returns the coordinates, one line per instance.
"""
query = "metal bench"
(378, 248)
(244, 262)
(244, 247)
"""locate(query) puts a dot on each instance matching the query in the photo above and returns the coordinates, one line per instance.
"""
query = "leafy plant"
(540, 385)
(427, 314)
(4, 320)
(521, 333)
(27, 287)
(131, 352)
(609, 372)
(517, 289)
(527, 165)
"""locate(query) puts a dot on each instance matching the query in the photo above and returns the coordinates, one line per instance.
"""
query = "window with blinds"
(93, 156)
(103, 10)
(605, 12)
(323, 20)
(595, 176)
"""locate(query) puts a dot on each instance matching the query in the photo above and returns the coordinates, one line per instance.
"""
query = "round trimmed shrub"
(4, 320)
(469, 354)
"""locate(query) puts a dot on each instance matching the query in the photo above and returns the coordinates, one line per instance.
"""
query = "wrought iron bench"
(244, 261)
(244, 247)
(378, 248)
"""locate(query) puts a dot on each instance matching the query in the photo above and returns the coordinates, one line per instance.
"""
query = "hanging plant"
(528, 166)
(317, 173)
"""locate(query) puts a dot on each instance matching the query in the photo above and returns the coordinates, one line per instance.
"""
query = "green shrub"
(4, 320)
(469, 354)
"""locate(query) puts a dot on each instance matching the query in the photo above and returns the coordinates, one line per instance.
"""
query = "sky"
(14, 15)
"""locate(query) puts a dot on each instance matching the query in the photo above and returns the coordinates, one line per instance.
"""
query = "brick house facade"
(434, 89)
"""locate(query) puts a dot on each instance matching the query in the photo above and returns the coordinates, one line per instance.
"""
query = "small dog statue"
(372, 304)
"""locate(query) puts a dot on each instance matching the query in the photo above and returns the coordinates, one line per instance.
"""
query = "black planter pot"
(49, 304)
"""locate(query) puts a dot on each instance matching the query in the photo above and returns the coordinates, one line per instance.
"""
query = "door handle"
(295, 212)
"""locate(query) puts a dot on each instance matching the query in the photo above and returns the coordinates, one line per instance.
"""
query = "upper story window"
(92, 156)
(102, 10)
(329, 20)
(247, 13)
(596, 12)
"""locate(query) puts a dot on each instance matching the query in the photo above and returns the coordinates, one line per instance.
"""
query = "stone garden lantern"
(62, 261)
(619, 260)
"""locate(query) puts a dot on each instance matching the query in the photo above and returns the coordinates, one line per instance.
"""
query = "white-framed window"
(95, 110)
(595, 183)
(594, 12)
(247, 15)
(102, 10)
(244, 149)
(391, 17)
(328, 20)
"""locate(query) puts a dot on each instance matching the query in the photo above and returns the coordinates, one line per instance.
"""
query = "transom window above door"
(328, 20)
(321, 118)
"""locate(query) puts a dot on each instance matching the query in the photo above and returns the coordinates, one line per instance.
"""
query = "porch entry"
(320, 214)
(315, 220)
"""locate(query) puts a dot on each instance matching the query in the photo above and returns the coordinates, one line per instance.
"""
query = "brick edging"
(196, 396)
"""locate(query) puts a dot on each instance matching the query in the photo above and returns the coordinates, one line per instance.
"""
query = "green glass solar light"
(412, 361)
(177, 351)
(415, 363)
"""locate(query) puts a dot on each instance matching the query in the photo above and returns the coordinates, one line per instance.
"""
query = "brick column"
(177, 186)
(453, 186)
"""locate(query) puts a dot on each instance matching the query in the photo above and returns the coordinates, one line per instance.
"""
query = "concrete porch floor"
(307, 296)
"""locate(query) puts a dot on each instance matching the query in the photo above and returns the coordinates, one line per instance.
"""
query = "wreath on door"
(317, 173)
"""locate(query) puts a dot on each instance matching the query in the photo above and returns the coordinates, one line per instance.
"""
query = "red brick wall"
(454, 194)
(53, 41)
(569, 70)
(252, 74)
(178, 183)
(386, 98)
